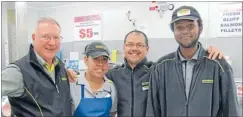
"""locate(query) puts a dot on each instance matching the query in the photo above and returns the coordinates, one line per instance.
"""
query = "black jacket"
(132, 87)
(212, 91)
(41, 97)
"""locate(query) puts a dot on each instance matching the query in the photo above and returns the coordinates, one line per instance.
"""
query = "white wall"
(115, 23)
(32, 17)
(4, 36)
(17, 31)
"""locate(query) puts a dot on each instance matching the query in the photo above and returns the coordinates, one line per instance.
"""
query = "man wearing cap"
(93, 94)
(188, 83)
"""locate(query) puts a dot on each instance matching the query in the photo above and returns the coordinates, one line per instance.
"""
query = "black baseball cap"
(185, 12)
(96, 49)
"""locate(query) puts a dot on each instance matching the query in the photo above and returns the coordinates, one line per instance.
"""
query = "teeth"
(50, 49)
(99, 70)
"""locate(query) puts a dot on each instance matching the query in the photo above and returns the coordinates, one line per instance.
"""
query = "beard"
(190, 45)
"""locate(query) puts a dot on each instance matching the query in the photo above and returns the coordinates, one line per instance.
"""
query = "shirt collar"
(106, 86)
(194, 57)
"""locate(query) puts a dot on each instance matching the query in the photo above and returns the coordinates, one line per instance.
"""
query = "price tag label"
(87, 27)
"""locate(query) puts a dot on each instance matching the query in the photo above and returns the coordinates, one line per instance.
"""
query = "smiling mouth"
(185, 37)
(49, 49)
(134, 54)
(99, 70)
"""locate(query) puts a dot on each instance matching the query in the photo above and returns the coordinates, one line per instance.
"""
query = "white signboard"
(88, 27)
(230, 19)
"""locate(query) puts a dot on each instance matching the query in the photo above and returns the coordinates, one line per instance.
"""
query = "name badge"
(145, 88)
(207, 81)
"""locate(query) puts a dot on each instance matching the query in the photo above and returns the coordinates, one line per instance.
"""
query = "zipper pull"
(57, 89)
(186, 103)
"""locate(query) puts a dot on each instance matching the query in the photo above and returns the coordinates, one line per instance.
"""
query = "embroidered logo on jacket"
(145, 86)
(64, 78)
(207, 81)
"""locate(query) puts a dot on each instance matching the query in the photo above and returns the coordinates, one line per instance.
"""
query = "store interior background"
(19, 20)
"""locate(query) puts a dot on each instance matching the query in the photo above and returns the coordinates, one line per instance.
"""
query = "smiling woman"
(93, 88)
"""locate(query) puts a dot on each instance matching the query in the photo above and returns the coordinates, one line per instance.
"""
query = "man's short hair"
(139, 32)
(49, 20)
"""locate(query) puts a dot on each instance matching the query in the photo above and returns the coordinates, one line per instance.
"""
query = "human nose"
(52, 41)
(185, 31)
(100, 62)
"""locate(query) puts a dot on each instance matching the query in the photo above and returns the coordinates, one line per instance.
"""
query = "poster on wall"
(230, 19)
(88, 27)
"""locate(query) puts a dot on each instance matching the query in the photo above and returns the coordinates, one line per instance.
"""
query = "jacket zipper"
(187, 97)
(132, 108)
(57, 89)
(190, 89)
(187, 107)
(47, 75)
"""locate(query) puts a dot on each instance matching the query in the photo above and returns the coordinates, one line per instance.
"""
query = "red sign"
(153, 8)
(86, 33)
(87, 18)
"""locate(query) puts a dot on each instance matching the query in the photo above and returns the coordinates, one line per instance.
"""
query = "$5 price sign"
(86, 33)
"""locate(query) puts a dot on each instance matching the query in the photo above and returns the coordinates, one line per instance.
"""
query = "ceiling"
(47, 4)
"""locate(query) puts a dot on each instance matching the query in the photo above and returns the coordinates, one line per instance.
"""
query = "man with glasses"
(130, 78)
(37, 84)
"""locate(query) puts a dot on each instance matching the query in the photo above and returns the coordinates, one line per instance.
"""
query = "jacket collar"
(201, 53)
(140, 64)
(32, 57)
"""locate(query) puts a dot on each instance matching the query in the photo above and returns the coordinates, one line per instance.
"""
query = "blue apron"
(93, 107)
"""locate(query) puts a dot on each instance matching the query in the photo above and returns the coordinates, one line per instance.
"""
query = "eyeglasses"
(48, 38)
(130, 45)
